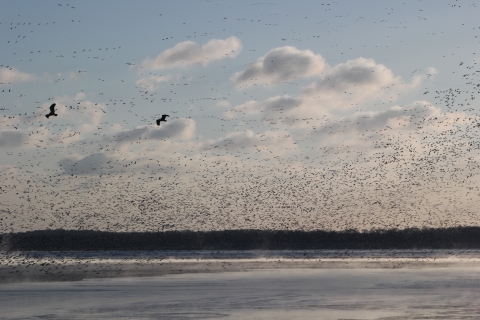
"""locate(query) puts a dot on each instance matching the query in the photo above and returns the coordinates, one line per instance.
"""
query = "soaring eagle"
(162, 119)
(52, 111)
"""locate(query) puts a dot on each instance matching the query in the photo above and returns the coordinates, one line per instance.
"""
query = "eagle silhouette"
(162, 119)
(52, 111)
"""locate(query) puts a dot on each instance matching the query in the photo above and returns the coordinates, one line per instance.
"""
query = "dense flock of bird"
(266, 163)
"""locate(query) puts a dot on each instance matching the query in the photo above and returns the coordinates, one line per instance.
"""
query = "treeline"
(66, 240)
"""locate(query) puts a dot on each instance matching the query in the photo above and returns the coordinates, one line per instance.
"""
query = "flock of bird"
(414, 165)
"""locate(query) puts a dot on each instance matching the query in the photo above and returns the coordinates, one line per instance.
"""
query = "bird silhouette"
(162, 119)
(52, 111)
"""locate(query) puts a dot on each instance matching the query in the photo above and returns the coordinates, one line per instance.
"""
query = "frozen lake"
(428, 293)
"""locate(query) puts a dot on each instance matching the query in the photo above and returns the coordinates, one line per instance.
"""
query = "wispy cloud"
(189, 53)
(277, 104)
(154, 82)
(223, 104)
(14, 76)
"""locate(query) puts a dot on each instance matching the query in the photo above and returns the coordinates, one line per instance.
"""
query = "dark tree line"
(65, 240)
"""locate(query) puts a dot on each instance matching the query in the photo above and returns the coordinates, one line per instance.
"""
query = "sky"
(285, 115)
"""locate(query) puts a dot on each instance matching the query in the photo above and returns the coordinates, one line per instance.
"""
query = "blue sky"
(283, 115)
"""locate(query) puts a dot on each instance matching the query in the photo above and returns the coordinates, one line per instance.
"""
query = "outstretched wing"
(164, 116)
(52, 108)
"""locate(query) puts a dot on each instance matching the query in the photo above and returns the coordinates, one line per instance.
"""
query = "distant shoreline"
(17, 266)
(87, 240)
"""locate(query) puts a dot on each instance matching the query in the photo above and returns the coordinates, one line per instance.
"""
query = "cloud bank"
(344, 86)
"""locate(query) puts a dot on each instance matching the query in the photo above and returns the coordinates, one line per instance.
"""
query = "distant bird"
(52, 111)
(162, 119)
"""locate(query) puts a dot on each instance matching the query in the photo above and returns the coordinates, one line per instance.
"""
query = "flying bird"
(162, 119)
(52, 111)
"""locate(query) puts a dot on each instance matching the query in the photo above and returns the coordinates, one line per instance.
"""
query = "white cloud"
(282, 110)
(68, 75)
(82, 116)
(190, 53)
(110, 161)
(130, 135)
(277, 104)
(390, 131)
(13, 76)
(223, 104)
(280, 64)
(154, 82)
(431, 71)
(175, 129)
(344, 86)
(393, 118)
(179, 129)
(275, 142)
(80, 110)
(357, 81)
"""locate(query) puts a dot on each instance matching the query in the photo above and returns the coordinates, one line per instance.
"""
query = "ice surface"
(439, 293)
